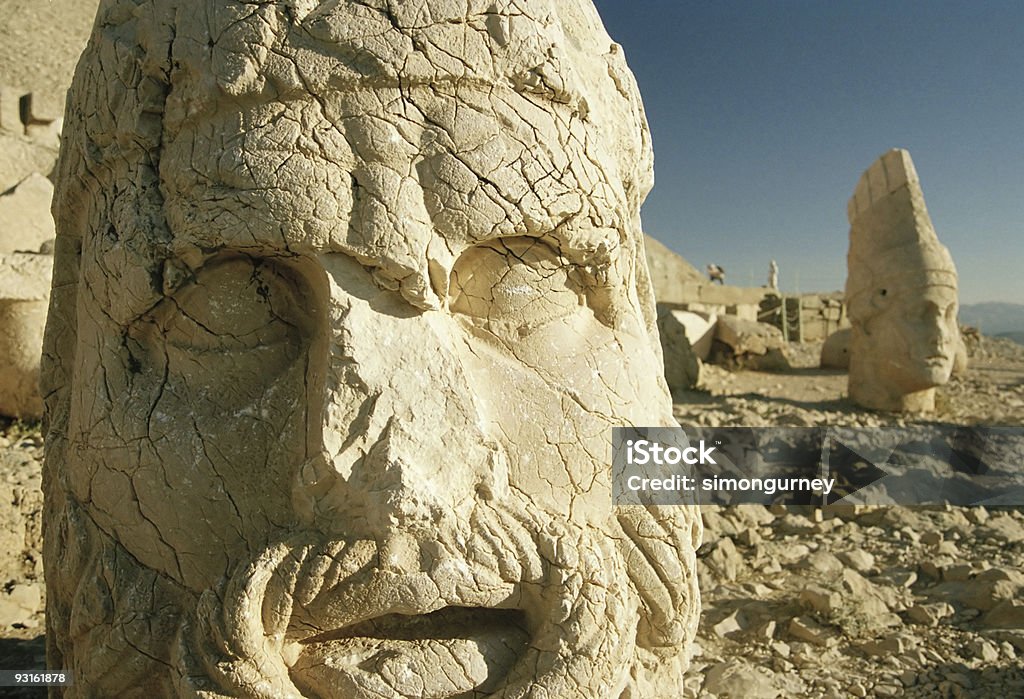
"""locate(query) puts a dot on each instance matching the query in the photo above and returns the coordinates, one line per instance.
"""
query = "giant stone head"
(901, 291)
(348, 297)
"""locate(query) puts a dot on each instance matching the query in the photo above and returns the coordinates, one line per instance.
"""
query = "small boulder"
(835, 353)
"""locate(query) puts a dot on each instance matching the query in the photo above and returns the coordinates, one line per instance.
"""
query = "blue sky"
(764, 113)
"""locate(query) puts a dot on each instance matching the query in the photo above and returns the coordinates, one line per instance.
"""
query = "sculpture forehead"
(401, 133)
(242, 48)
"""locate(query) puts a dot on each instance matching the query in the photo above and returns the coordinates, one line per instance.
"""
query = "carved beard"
(606, 611)
(517, 607)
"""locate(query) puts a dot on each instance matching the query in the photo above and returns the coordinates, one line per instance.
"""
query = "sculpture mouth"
(445, 623)
(451, 652)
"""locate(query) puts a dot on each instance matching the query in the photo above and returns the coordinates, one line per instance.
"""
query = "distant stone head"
(901, 292)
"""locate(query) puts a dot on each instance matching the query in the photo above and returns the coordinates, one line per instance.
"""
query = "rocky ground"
(21, 564)
(851, 602)
(860, 602)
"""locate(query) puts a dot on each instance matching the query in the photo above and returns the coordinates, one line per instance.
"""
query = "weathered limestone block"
(25, 219)
(901, 292)
(699, 329)
(674, 279)
(348, 297)
(748, 336)
(20, 157)
(682, 365)
(24, 296)
(835, 352)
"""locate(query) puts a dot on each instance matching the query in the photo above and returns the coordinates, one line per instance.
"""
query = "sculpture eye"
(233, 305)
(228, 335)
(514, 285)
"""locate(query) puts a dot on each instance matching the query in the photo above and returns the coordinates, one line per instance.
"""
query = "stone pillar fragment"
(24, 294)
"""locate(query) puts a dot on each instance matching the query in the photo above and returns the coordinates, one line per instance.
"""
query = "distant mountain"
(994, 318)
(1015, 336)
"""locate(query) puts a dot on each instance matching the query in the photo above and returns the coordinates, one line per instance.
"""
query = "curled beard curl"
(583, 590)
(658, 546)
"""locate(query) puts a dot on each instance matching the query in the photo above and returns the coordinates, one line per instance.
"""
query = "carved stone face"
(352, 398)
(918, 335)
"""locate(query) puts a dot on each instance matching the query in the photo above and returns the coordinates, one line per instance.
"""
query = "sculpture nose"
(406, 484)
(401, 441)
(410, 476)
(940, 334)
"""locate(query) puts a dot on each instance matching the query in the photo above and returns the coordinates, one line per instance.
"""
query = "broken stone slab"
(930, 614)
(985, 591)
(746, 336)
(21, 157)
(824, 562)
(731, 624)
(699, 329)
(10, 109)
(1004, 528)
(20, 603)
(1013, 637)
(897, 269)
(821, 600)
(1007, 614)
(808, 630)
(674, 279)
(725, 559)
(983, 650)
(42, 108)
(775, 359)
(887, 646)
(740, 680)
(858, 559)
(25, 219)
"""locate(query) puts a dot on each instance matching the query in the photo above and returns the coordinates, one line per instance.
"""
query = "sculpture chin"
(923, 374)
(453, 652)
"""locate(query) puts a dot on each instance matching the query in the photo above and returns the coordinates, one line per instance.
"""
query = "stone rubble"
(879, 626)
(862, 602)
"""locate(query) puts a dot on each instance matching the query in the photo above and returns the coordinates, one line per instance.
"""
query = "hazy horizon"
(765, 114)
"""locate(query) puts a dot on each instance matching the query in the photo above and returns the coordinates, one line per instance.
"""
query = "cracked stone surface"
(901, 292)
(347, 298)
